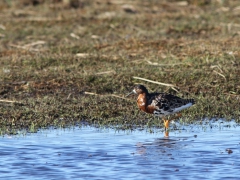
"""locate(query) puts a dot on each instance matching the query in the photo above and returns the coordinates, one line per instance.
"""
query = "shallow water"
(194, 152)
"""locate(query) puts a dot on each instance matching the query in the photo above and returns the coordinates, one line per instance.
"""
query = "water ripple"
(192, 152)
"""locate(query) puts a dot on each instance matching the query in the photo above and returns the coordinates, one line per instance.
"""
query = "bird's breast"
(143, 105)
(141, 102)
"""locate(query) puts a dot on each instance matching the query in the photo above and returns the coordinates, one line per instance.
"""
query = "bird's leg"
(166, 123)
(166, 127)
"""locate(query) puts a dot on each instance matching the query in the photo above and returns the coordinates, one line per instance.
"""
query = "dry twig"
(9, 101)
(106, 72)
(156, 82)
(157, 64)
(113, 95)
(220, 74)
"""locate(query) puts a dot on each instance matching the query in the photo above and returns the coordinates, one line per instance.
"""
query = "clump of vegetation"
(65, 62)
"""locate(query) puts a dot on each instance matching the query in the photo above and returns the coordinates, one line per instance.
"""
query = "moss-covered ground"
(65, 62)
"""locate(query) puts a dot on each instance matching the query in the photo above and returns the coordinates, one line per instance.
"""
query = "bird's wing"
(168, 102)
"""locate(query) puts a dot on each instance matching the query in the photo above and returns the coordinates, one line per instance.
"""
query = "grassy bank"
(72, 61)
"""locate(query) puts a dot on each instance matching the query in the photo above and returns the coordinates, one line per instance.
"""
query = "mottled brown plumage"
(160, 104)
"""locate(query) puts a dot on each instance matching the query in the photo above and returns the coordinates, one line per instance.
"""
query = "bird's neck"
(142, 101)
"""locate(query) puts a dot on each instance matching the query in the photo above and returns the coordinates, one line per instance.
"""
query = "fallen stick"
(106, 72)
(220, 74)
(34, 44)
(157, 64)
(22, 47)
(113, 95)
(155, 82)
(9, 101)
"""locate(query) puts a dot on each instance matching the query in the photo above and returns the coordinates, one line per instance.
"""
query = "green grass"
(195, 47)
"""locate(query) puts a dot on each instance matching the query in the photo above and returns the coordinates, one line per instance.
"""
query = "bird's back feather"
(166, 104)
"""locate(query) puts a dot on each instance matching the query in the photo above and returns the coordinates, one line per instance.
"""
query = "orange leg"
(167, 121)
(166, 126)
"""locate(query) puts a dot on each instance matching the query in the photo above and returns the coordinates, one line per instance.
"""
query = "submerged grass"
(52, 53)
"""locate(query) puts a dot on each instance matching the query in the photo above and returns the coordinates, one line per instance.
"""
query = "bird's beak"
(129, 94)
(132, 92)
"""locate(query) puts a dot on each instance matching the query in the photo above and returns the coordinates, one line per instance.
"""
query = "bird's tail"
(190, 101)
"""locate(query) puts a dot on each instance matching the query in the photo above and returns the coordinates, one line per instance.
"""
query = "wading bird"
(160, 104)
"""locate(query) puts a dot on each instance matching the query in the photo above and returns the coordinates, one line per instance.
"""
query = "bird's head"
(138, 89)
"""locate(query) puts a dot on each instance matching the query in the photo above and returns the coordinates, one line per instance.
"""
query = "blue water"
(191, 152)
